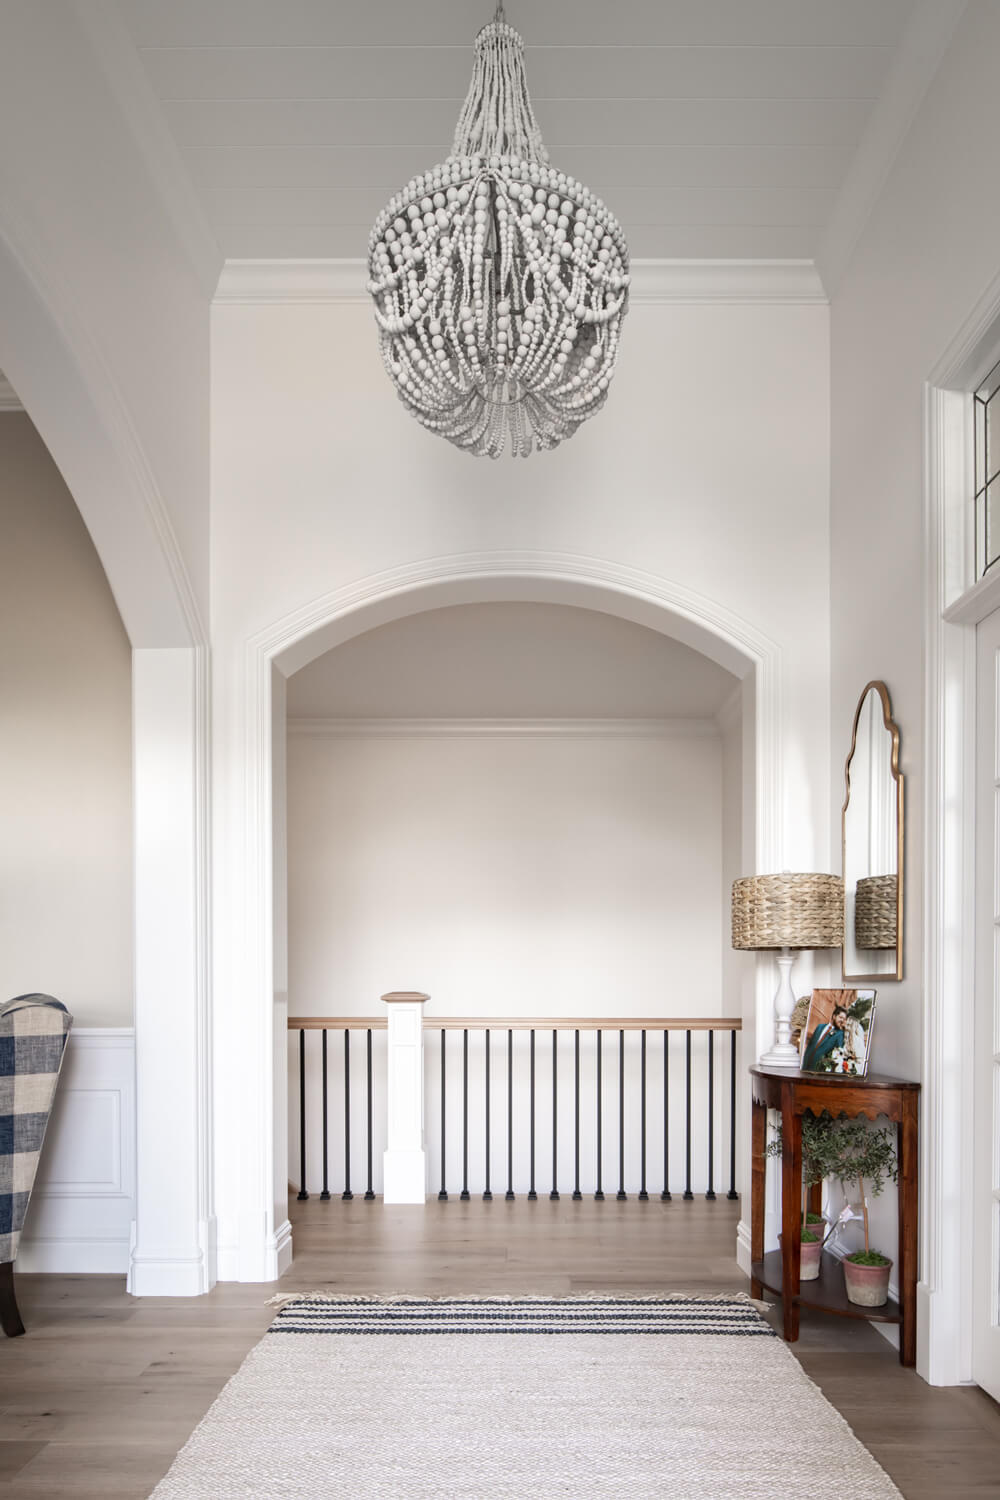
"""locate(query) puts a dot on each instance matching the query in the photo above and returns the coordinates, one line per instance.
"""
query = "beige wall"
(65, 749)
(524, 874)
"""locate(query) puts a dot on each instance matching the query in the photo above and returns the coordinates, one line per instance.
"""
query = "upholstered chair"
(33, 1031)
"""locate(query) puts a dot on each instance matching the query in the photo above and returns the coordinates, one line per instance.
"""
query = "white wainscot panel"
(81, 1211)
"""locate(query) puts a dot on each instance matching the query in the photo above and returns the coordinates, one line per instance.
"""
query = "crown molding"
(653, 281)
(642, 729)
(9, 399)
(694, 281)
(926, 38)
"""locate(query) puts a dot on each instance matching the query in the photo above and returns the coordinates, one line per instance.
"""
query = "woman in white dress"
(855, 1045)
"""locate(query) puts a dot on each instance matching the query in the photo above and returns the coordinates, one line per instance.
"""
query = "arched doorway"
(251, 1007)
(83, 417)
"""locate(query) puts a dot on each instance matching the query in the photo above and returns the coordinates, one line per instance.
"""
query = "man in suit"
(824, 1039)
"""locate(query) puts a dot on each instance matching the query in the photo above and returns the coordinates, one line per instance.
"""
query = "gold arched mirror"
(873, 843)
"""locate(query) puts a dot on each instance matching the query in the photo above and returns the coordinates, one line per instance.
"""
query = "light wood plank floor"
(104, 1389)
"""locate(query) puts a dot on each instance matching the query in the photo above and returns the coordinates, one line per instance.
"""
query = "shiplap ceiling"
(713, 128)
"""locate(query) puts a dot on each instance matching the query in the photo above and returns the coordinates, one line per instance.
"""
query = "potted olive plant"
(860, 1153)
(815, 1151)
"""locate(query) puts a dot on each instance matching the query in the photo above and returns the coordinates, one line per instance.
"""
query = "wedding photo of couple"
(837, 1035)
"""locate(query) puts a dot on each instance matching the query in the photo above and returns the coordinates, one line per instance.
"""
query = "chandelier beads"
(499, 283)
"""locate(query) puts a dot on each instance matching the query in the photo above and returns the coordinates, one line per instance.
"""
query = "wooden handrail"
(525, 1023)
(338, 1023)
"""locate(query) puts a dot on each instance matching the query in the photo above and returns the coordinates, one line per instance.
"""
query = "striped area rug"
(545, 1315)
(692, 1398)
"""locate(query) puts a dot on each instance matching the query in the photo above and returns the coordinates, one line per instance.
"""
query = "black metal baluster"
(599, 1194)
(621, 1195)
(325, 1194)
(555, 1117)
(302, 1194)
(532, 1195)
(732, 1116)
(710, 1195)
(687, 1121)
(347, 1194)
(487, 1195)
(509, 1194)
(577, 1195)
(464, 1194)
(666, 1195)
(443, 1194)
(369, 1191)
(643, 1195)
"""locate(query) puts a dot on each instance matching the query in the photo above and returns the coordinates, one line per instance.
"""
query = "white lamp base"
(783, 1053)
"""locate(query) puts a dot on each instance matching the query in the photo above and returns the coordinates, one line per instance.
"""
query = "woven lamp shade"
(875, 908)
(788, 911)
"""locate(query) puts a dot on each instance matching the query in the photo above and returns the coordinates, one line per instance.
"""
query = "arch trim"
(250, 1080)
(67, 388)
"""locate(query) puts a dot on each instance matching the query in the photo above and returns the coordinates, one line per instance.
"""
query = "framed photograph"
(837, 1036)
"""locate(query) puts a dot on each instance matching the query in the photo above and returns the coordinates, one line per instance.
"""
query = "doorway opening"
(747, 670)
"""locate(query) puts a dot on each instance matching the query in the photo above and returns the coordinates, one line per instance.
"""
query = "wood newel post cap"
(407, 996)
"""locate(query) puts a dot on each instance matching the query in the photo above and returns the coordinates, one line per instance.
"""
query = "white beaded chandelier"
(500, 284)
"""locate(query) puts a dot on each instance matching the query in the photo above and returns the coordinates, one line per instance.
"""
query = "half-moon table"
(792, 1092)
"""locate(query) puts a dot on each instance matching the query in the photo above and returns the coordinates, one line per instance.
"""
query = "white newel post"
(405, 1167)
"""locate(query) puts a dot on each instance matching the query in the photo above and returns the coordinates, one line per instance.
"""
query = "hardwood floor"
(104, 1389)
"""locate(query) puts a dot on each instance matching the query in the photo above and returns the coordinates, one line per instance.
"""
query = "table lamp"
(787, 912)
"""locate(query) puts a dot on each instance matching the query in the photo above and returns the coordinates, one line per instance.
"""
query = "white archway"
(82, 415)
(73, 401)
(250, 1016)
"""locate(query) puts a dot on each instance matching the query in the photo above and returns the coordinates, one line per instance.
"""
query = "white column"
(173, 1244)
(405, 1165)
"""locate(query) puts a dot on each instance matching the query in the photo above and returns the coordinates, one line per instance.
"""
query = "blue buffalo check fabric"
(33, 1031)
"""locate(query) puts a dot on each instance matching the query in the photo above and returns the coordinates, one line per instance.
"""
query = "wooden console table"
(793, 1093)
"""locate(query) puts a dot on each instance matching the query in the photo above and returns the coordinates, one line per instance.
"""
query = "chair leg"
(10, 1318)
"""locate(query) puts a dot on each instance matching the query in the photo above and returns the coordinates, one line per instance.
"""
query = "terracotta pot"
(809, 1261)
(867, 1286)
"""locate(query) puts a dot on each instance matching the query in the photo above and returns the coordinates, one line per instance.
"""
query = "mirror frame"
(890, 724)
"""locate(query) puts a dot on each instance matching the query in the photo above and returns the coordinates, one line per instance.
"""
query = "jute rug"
(688, 1397)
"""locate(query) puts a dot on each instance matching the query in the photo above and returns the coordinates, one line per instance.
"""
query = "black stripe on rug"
(532, 1315)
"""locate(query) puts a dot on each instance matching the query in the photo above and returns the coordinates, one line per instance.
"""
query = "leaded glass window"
(986, 405)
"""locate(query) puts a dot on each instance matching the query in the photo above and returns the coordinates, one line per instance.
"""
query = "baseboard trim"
(227, 1263)
(71, 1257)
(168, 1278)
(744, 1257)
(282, 1249)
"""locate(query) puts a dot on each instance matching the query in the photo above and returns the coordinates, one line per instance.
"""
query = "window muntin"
(986, 412)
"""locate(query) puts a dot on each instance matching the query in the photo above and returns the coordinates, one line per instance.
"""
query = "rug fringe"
(283, 1297)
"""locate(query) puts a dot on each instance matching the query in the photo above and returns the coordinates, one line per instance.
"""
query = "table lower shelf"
(827, 1292)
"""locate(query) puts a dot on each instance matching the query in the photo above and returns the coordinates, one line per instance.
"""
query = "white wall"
(705, 477)
(82, 1209)
(65, 749)
(928, 255)
(929, 252)
(506, 875)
